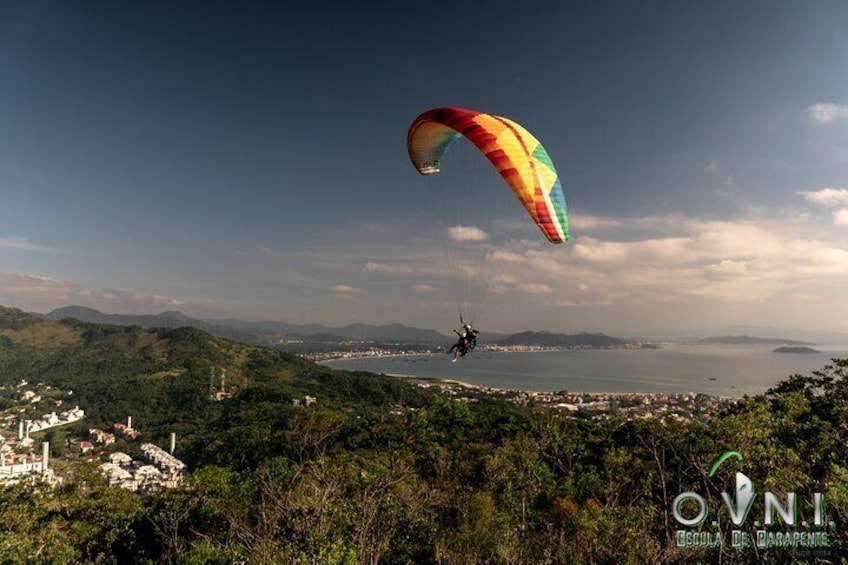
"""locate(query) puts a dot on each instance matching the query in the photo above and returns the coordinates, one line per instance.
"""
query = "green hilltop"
(164, 377)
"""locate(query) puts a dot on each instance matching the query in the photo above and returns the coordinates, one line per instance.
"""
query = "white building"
(120, 459)
(147, 473)
(16, 466)
(116, 476)
(162, 458)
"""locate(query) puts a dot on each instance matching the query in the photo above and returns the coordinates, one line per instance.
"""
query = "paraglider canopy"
(518, 156)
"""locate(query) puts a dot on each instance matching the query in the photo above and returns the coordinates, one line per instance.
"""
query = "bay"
(736, 371)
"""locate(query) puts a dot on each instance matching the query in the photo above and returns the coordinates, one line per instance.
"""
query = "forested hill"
(163, 378)
(748, 340)
(548, 339)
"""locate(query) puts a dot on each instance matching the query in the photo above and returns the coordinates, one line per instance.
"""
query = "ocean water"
(718, 370)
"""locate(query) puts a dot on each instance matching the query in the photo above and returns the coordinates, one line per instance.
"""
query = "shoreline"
(445, 382)
(471, 386)
(720, 372)
(353, 356)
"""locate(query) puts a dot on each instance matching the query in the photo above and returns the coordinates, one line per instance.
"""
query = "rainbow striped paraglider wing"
(518, 156)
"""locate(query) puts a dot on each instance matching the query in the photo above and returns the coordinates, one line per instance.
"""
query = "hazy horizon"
(812, 335)
(250, 161)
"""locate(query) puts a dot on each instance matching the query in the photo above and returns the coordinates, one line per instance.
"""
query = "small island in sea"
(795, 349)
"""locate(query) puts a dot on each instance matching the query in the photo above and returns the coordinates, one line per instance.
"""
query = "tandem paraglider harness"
(467, 341)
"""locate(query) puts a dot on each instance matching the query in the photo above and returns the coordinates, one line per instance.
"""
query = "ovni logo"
(778, 527)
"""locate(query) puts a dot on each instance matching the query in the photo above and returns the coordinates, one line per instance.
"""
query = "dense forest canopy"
(381, 471)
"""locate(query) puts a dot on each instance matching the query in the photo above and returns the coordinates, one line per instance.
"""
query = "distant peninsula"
(579, 341)
(795, 349)
(748, 340)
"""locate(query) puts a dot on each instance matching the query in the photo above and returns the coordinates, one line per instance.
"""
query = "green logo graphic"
(725, 456)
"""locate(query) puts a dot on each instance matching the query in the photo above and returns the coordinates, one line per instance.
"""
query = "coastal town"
(25, 449)
(370, 350)
(687, 406)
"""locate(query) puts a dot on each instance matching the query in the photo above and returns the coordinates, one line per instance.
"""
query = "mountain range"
(269, 332)
(276, 333)
(262, 332)
(549, 339)
(749, 340)
(785, 334)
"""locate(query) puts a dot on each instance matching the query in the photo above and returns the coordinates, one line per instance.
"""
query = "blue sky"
(249, 161)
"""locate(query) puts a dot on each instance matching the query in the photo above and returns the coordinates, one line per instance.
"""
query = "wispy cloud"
(466, 233)
(728, 261)
(840, 217)
(387, 268)
(831, 198)
(535, 288)
(825, 112)
(827, 196)
(21, 244)
(626, 227)
(676, 261)
(136, 301)
(15, 285)
(344, 289)
(42, 293)
(728, 186)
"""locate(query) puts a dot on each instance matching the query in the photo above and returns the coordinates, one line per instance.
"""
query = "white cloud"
(728, 268)
(627, 227)
(635, 265)
(648, 250)
(535, 288)
(748, 260)
(136, 302)
(387, 268)
(20, 244)
(42, 293)
(824, 112)
(423, 288)
(505, 279)
(344, 289)
(840, 217)
(586, 222)
(502, 255)
(18, 285)
(830, 197)
(466, 233)
(267, 251)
